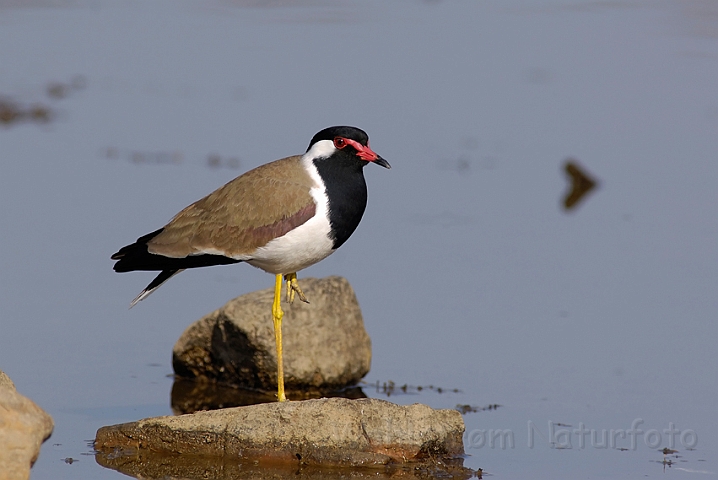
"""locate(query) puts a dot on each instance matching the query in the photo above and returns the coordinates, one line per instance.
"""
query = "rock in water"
(333, 432)
(5, 381)
(325, 344)
(23, 428)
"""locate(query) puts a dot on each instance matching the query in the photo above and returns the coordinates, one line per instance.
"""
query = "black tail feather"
(130, 249)
(136, 257)
(160, 279)
(154, 285)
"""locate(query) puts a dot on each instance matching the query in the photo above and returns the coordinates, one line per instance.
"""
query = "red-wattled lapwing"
(281, 217)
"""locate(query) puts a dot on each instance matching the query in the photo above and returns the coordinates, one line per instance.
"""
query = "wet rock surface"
(23, 428)
(325, 344)
(330, 432)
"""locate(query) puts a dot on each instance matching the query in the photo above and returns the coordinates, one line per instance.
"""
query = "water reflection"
(189, 396)
(148, 465)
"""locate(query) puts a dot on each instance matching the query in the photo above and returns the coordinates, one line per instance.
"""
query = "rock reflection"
(581, 184)
(189, 396)
(148, 465)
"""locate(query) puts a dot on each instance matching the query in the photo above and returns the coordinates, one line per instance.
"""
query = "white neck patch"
(321, 149)
(310, 242)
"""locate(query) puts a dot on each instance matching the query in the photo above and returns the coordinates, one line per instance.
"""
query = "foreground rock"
(325, 344)
(23, 428)
(330, 432)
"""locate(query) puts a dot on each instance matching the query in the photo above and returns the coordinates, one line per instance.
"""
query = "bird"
(281, 217)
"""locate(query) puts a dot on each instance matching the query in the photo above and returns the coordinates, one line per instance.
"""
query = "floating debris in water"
(12, 112)
(581, 184)
(60, 90)
(464, 409)
(139, 157)
(216, 161)
(146, 158)
(390, 388)
(57, 90)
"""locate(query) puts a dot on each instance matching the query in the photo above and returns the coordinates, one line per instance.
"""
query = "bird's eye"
(340, 142)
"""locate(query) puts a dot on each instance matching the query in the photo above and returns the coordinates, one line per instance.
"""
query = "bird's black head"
(349, 140)
(331, 133)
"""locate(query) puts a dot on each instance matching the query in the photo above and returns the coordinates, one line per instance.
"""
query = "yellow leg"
(293, 286)
(277, 315)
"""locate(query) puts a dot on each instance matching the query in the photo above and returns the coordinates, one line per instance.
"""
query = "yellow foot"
(277, 315)
(292, 287)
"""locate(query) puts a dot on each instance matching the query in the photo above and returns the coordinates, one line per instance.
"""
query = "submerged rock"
(325, 344)
(329, 432)
(23, 428)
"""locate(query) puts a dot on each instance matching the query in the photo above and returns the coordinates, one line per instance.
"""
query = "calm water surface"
(594, 329)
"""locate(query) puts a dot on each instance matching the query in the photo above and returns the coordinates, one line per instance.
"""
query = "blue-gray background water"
(469, 272)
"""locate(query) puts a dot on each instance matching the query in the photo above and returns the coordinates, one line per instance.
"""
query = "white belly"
(304, 246)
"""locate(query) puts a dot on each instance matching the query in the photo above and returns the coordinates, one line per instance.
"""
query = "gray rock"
(332, 432)
(325, 344)
(23, 428)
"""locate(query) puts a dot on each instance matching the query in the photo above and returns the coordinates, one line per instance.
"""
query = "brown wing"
(242, 215)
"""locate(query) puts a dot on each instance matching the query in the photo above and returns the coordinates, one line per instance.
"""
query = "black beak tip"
(382, 162)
